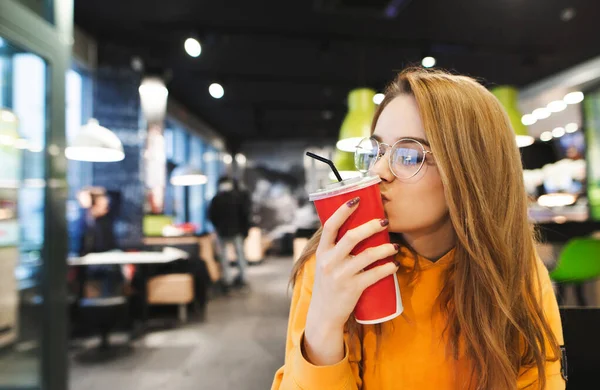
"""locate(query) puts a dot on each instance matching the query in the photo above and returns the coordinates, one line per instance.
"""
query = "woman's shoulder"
(306, 273)
(543, 275)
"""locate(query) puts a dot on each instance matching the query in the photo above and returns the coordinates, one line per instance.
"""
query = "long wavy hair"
(492, 294)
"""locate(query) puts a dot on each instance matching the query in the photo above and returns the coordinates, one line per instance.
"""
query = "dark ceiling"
(288, 65)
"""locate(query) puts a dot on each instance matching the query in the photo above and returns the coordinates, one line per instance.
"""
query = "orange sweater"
(412, 352)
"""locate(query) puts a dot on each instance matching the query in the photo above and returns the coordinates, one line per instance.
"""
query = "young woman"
(479, 308)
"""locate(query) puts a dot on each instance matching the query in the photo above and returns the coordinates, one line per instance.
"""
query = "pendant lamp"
(188, 175)
(344, 162)
(508, 97)
(357, 123)
(95, 143)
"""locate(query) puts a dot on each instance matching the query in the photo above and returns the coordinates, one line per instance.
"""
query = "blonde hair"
(492, 294)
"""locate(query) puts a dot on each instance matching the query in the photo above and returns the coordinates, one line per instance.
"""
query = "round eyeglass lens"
(365, 155)
(406, 158)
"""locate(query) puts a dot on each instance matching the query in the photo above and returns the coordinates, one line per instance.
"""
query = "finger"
(356, 235)
(358, 263)
(372, 276)
(333, 224)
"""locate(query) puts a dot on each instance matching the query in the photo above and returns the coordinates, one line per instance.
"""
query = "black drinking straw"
(326, 161)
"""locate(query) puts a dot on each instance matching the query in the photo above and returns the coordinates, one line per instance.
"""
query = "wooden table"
(107, 258)
(142, 259)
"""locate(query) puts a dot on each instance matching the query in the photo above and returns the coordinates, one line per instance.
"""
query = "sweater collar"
(406, 258)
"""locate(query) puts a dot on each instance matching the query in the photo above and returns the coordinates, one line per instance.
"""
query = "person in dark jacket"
(98, 236)
(229, 213)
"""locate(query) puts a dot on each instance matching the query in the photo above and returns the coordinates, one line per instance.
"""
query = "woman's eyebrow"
(421, 140)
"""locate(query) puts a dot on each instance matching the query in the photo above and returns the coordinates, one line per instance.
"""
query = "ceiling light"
(240, 159)
(137, 64)
(567, 14)
(557, 106)
(153, 99)
(192, 47)
(95, 143)
(572, 127)
(216, 90)
(153, 88)
(574, 97)
(541, 113)
(227, 159)
(378, 98)
(556, 200)
(528, 120)
(558, 132)
(546, 136)
(428, 62)
(188, 176)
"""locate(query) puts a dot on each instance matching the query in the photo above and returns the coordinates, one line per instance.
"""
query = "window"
(79, 174)
(189, 204)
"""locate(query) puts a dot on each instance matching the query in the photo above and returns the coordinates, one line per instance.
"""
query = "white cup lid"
(343, 187)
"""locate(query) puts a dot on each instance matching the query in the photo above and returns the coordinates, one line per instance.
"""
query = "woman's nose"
(382, 169)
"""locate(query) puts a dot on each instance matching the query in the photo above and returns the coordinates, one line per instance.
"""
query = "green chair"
(579, 262)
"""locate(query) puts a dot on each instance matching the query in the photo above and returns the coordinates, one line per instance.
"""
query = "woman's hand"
(340, 281)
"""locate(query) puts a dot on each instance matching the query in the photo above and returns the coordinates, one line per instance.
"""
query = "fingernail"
(384, 222)
(397, 247)
(352, 202)
(397, 263)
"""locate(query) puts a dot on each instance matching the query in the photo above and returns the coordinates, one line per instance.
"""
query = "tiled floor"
(239, 346)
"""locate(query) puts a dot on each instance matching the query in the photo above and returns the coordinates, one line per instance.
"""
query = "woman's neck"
(434, 242)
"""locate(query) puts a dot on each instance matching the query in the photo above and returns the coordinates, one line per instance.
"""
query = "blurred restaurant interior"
(127, 118)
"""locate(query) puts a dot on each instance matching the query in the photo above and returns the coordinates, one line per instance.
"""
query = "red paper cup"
(380, 302)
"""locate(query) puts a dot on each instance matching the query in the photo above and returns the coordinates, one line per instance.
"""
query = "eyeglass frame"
(391, 147)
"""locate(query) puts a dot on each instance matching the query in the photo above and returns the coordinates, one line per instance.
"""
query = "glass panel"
(79, 174)
(22, 182)
(43, 8)
(196, 193)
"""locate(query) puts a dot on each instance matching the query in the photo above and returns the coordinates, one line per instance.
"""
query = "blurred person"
(479, 308)
(98, 236)
(229, 212)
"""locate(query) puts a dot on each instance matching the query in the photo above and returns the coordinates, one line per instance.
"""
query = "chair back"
(578, 262)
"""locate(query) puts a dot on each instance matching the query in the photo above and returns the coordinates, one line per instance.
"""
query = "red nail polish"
(353, 202)
(384, 222)
(397, 247)
(397, 263)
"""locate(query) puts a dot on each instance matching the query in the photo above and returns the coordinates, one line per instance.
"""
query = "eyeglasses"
(406, 159)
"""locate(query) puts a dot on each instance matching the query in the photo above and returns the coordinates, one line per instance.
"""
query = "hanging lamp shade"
(188, 175)
(357, 123)
(344, 162)
(153, 99)
(508, 97)
(95, 143)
